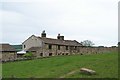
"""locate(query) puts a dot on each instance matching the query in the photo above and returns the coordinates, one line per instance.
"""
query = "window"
(75, 47)
(50, 54)
(41, 54)
(50, 46)
(66, 53)
(66, 47)
(24, 46)
(58, 47)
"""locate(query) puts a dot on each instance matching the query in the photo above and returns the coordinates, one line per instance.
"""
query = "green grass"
(106, 66)
(0, 70)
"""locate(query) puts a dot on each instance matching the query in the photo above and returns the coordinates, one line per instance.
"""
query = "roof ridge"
(55, 39)
(60, 42)
(46, 37)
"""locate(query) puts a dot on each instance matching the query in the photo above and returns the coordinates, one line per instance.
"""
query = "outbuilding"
(7, 53)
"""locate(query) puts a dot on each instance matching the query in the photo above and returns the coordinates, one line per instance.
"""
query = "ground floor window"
(62, 53)
(66, 53)
(50, 54)
(41, 54)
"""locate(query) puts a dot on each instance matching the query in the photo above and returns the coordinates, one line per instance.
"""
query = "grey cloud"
(74, 19)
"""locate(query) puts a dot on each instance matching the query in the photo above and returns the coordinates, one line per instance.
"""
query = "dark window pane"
(66, 47)
(50, 46)
(58, 47)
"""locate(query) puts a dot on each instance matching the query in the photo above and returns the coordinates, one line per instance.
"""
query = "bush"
(28, 55)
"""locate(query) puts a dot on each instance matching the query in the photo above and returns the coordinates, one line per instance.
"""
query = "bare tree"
(87, 43)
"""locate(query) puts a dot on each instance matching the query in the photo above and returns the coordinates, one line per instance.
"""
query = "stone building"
(7, 52)
(43, 46)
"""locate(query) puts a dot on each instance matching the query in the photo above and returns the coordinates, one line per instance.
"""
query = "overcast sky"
(95, 20)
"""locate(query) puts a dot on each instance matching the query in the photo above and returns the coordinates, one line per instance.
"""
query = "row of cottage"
(43, 47)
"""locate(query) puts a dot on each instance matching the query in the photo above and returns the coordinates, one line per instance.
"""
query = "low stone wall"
(9, 56)
(97, 50)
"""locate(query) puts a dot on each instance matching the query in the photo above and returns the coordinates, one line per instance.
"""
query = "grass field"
(106, 66)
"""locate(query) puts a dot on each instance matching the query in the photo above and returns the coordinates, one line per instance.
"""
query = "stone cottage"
(43, 46)
(7, 52)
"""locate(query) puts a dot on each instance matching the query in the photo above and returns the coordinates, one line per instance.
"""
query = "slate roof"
(6, 47)
(33, 48)
(60, 42)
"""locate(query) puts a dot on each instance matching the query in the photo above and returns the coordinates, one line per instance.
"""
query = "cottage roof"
(60, 42)
(33, 48)
(6, 47)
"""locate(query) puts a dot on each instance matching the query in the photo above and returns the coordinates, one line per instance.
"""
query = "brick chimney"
(43, 34)
(60, 37)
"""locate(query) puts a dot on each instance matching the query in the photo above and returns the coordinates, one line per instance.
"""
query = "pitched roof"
(60, 42)
(6, 47)
(33, 48)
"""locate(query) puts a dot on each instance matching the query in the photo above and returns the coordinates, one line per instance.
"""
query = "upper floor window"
(50, 46)
(24, 46)
(75, 48)
(66, 47)
(58, 47)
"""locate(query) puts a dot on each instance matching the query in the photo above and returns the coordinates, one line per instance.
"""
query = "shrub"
(28, 55)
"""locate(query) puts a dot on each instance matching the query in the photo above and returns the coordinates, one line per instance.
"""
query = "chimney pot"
(43, 34)
(60, 37)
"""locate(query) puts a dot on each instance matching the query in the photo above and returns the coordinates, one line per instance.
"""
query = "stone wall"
(96, 50)
(9, 56)
(71, 50)
(45, 51)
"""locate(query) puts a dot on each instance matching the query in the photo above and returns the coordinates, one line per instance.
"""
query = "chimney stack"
(43, 34)
(60, 37)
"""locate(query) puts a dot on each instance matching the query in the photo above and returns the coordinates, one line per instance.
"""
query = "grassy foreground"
(106, 66)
